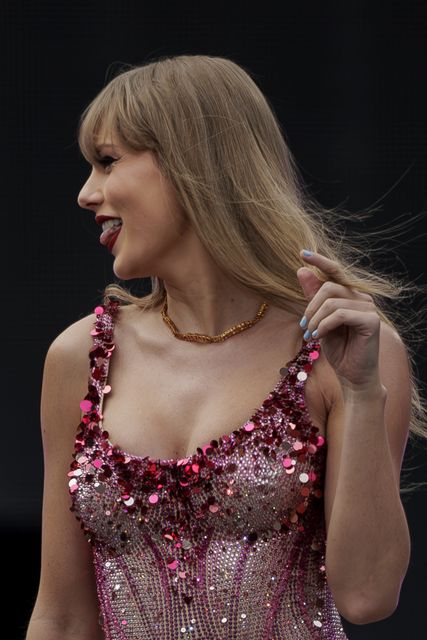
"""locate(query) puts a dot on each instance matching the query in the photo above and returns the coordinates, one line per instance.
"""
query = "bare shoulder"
(66, 558)
(70, 350)
(76, 339)
(74, 334)
(66, 371)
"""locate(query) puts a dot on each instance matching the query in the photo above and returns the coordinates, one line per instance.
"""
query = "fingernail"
(307, 253)
(303, 322)
(314, 334)
(307, 335)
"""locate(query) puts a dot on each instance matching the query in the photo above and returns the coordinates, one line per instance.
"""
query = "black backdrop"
(347, 81)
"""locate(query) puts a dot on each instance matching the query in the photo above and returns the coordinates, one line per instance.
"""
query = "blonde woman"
(223, 454)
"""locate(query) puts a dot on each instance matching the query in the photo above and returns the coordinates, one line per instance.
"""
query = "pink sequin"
(85, 405)
(228, 543)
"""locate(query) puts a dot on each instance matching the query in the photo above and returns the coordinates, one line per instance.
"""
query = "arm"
(66, 605)
(368, 541)
(44, 629)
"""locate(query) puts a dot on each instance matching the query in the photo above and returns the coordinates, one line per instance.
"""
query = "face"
(129, 185)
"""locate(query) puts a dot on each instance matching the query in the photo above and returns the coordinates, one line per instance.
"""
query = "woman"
(204, 522)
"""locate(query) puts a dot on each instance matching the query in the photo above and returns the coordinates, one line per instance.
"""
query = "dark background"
(347, 81)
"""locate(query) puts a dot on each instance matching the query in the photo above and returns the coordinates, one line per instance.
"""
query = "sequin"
(228, 543)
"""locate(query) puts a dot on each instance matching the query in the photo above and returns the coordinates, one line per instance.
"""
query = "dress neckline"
(248, 426)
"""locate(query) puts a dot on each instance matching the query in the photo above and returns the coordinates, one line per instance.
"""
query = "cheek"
(175, 218)
(115, 195)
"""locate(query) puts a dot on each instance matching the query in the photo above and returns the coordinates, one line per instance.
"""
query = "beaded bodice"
(228, 543)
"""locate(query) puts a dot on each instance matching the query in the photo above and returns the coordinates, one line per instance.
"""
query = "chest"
(166, 402)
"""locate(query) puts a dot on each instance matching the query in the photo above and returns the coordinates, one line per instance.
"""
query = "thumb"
(309, 282)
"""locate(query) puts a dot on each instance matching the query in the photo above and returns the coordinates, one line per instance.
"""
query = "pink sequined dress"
(228, 543)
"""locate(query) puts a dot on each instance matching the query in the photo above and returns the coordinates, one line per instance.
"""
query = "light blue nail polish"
(307, 253)
(307, 335)
(303, 322)
(314, 334)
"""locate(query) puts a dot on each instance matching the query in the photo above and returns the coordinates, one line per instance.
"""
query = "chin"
(125, 271)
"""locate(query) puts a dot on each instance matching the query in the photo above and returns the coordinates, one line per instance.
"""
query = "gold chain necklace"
(200, 337)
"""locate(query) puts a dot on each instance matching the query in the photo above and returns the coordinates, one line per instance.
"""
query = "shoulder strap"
(297, 370)
(99, 357)
(302, 364)
(292, 387)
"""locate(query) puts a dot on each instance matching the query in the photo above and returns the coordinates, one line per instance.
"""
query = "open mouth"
(110, 234)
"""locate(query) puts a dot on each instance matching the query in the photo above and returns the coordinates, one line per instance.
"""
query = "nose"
(89, 196)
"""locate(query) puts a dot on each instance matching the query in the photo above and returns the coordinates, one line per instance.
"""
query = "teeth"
(111, 223)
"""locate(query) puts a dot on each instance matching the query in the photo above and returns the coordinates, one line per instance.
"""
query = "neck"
(211, 315)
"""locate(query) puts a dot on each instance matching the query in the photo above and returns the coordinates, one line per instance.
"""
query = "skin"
(368, 538)
(157, 240)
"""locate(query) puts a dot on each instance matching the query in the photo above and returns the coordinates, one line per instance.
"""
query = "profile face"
(130, 185)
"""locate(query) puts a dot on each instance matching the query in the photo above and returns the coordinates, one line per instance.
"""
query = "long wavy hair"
(215, 137)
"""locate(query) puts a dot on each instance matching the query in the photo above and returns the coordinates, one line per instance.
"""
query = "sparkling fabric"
(228, 543)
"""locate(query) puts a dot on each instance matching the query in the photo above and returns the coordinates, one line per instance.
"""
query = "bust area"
(170, 396)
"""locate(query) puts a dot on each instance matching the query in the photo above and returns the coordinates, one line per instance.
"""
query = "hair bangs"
(98, 124)
(113, 117)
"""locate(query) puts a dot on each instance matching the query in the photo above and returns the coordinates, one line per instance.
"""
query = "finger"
(362, 321)
(332, 290)
(333, 268)
(330, 307)
(327, 265)
(365, 296)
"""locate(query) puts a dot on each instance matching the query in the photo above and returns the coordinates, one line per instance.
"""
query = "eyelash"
(106, 160)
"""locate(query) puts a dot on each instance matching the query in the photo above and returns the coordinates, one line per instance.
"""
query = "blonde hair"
(216, 138)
